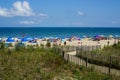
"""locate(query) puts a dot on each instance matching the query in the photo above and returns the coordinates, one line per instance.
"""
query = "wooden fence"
(79, 61)
(88, 48)
(105, 64)
(99, 59)
(68, 48)
(82, 47)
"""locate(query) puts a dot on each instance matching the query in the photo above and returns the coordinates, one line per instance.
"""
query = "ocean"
(57, 31)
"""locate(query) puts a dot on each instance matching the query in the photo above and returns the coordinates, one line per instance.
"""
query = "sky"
(59, 13)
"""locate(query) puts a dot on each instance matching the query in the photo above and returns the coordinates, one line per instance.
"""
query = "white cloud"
(42, 15)
(81, 13)
(3, 12)
(27, 22)
(18, 9)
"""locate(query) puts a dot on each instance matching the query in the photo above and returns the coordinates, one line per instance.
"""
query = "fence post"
(76, 50)
(110, 64)
(86, 59)
(92, 48)
(63, 54)
(68, 58)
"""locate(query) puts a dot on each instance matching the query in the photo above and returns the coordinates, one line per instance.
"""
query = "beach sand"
(84, 42)
(87, 42)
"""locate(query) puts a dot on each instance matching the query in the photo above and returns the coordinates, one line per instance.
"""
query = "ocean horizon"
(58, 31)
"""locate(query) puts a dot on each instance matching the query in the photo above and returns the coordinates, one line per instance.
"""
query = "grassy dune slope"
(42, 64)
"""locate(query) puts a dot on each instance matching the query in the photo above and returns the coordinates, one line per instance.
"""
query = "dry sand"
(85, 41)
(88, 42)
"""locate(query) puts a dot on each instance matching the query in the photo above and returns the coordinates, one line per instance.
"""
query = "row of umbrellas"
(102, 36)
(25, 39)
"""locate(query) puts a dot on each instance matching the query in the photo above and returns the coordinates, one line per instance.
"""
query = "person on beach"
(108, 43)
(79, 42)
(65, 43)
(98, 41)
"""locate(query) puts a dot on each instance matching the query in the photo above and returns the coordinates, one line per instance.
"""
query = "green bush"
(41, 64)
(10, 45)
(19, 47)
(2, 45)
(41, 45)
(48, 44)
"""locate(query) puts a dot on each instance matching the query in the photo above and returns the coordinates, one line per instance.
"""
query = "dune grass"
(113, 50)
(42, 64)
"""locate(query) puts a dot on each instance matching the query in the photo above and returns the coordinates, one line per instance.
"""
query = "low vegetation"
(113, 50)
(109, 55)
(42, 64)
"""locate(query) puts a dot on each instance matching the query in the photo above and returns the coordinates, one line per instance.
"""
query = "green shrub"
(42, 64)
(19, 47)
(2, 45)
(10, 45)
(48, 44)
(42, 45)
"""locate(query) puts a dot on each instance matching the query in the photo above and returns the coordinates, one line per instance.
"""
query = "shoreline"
(73, 41)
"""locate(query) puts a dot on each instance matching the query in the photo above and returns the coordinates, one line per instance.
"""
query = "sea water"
(57, 31)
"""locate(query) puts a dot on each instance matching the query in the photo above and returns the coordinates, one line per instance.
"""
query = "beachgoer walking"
(108, 43)
(64, 43)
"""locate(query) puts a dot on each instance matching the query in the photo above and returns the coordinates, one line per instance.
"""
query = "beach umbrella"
(26, 39)
(77, 38)
(62, 37)
(97, 36)
(10, 39)
(29, 39)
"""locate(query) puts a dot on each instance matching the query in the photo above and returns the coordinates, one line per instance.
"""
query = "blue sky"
(59, 13)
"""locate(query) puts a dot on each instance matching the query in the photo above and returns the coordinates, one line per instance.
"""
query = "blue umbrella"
(25, 39)
(62, 37)
(10, 39)
(29, 39)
